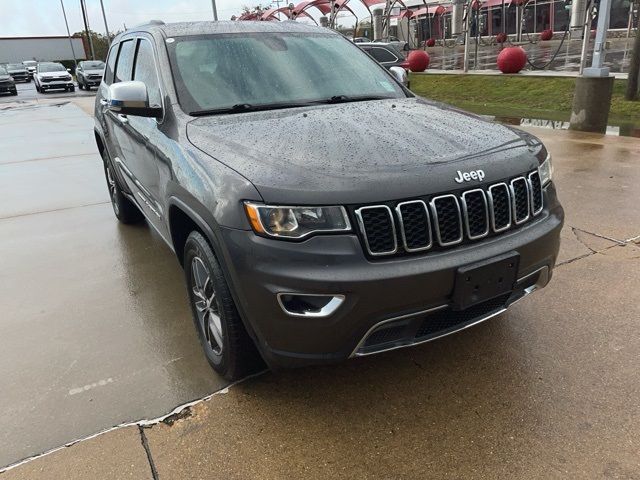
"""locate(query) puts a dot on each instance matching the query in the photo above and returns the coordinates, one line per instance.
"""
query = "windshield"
(51, 67)
(217, 72)
(15, 66)
(93, 65)
(29, 63)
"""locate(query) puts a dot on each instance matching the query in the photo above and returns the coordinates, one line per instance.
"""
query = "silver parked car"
(89, 74)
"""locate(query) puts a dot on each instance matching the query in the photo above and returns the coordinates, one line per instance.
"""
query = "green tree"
(100, 43)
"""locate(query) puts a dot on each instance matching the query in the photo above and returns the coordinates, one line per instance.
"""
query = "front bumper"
(57, 85)
(7, 87)
(375, 292)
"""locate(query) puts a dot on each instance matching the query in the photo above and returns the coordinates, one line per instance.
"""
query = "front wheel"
(124, 209)
(224, 339)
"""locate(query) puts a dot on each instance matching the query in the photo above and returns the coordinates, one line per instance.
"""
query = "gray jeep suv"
(306, 238)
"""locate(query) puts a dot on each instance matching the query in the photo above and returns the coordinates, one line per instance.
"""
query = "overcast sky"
(44, 17)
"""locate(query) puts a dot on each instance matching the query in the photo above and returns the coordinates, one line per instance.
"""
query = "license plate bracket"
(482, 281)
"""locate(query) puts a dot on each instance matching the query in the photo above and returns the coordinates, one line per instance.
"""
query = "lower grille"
(443, 320)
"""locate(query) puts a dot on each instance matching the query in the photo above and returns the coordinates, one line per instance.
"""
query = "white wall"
(41, 49)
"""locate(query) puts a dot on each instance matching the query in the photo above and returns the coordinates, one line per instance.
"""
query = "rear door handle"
(123, 118)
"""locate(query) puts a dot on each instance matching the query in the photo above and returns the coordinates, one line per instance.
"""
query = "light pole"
(73, 52)
(215, 10)
(86, 28)
(106, 27)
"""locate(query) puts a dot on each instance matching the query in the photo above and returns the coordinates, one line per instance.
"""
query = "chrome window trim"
(436, 223)
(536, 212)
(466, 214)
(364, 231)
(513, 200)
(492, 209)
(401, 221)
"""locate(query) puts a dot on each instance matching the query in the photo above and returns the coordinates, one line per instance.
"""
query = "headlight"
(296, 222)
(546, 171)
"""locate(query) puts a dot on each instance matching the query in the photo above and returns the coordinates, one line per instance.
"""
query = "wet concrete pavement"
(547, 390)
(95, 325)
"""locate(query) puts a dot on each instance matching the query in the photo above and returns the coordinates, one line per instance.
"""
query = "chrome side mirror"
(400, 75)
(131, 98)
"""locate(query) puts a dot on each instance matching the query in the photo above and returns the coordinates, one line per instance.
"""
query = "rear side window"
(382, 55)
(124, 64)
(111, 63)
(145, 71)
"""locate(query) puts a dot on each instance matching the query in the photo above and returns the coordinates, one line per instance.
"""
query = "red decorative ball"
(501, 37)
(418, 60)
(512, 60)
(546, 34)
(431, 42)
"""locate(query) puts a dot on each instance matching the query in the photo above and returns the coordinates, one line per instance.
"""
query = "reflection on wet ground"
(567, 60)
(622, 130)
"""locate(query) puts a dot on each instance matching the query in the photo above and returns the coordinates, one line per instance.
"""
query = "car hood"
(21, 70)
(93, 72)
(361, 152)
(53, 74)
(5, 77)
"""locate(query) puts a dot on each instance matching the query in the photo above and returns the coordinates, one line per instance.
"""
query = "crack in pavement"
(53, 210)
(145, 445)
(144, 423)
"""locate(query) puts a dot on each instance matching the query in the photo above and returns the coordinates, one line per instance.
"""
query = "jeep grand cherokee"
(304, 237)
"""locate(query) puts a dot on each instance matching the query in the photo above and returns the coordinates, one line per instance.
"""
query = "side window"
(145, 71)
(382, 55)
(125, 62)
(111, 64)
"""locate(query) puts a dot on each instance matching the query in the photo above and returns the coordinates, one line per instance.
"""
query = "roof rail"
(150, 22)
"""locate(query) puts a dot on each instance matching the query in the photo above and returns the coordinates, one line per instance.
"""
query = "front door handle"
(123, 119)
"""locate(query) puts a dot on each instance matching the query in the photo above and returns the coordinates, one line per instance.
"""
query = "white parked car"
(52, 75)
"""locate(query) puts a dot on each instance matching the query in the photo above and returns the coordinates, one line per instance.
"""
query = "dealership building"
(18, 49)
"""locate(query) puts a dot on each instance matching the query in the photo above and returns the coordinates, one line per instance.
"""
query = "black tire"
(14, 92)
(124, 209)
(28, 79)
(72, 89)
(236, 355)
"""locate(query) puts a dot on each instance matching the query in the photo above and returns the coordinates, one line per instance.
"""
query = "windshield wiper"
(357, 98)
(247, 107)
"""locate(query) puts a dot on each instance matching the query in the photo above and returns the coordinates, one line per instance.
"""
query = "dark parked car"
(304, 237)
(89, 74)
(7, 85)
(386, 54)
(18, 72)
(52, 75)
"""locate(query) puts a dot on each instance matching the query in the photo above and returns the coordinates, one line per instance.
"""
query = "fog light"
(309, 305)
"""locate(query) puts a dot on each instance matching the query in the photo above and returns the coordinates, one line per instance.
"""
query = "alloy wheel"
(204, 297)
(113, 190)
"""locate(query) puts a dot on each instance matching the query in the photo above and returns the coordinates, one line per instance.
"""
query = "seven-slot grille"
(450, 219)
